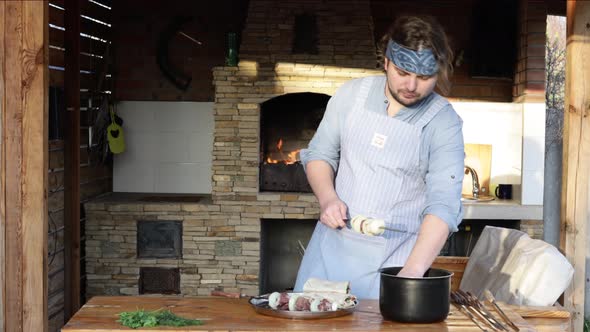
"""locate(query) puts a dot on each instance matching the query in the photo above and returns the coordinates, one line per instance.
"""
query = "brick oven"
(293, 56)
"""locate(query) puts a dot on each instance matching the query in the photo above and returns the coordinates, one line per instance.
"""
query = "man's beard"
(397, 98)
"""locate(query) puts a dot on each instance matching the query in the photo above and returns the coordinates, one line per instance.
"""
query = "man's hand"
(407, 272)
(333, 213)
(432, 237)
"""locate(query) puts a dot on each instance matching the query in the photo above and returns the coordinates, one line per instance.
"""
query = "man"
(390, 148)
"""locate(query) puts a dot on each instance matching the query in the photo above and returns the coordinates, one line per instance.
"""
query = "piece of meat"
(325, 305)
(283, 301)
(302, 303)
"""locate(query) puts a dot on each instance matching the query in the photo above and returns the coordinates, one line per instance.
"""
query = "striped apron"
(379, 176)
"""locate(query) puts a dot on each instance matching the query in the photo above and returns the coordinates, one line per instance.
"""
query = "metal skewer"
(466, 311)
(397, 230)
(491, 298)
(461, 299)
(473, 299)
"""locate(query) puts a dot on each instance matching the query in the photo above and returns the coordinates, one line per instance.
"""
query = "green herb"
(142, 318)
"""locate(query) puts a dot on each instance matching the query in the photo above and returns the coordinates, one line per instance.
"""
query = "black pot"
(415, 300)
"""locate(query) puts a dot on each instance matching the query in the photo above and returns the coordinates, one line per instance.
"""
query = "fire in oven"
(287, 124)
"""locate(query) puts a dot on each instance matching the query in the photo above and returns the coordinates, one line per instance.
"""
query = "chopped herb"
(142, 318)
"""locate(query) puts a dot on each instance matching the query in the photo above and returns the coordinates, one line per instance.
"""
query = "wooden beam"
(24, 162)
(576, 155)
(2, 172)
(72, 158)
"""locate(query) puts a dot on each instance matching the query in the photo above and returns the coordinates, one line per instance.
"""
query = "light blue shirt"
(441, 148)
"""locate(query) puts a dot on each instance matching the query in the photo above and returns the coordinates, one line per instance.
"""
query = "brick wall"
(344, 33)
(138, 25)
(529, 80)
(534, 228)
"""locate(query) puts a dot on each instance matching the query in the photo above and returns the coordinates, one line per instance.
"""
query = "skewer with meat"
(279, 301)
(367, 226)
(299, 302)
(322, 304)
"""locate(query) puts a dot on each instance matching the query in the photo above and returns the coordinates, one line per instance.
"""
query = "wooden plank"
(56, 38)
(35, 161)
(223, 314)
(576, 158)
(2, 172)
(72, 158)
(88, 63)
(87, 25)
(97, 12)
(540, 312)
(453, 264)
(56, 16)
(90, 9)
(24, 172)
(12, 140)
(87, 81)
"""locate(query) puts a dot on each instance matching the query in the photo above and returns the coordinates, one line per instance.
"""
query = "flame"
(289, 159)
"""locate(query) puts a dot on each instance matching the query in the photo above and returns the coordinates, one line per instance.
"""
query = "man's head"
(417, 57)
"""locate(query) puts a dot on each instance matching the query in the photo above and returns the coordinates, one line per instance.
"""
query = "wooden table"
(224, 314)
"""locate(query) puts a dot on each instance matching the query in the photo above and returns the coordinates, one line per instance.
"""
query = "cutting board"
(478, 157)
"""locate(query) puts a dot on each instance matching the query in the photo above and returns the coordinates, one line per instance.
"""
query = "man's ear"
(385, 63)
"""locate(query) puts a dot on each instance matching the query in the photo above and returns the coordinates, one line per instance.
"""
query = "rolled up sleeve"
(325, 144)
(444, 176)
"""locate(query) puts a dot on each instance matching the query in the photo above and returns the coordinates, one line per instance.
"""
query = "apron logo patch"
(378, 140)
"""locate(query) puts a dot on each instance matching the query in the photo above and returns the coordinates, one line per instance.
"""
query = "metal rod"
(189, 37)
(484, 310)
(464, 310)
(398, 230)
(500, 312)
(462, 298)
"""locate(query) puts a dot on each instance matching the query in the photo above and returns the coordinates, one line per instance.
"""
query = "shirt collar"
(377, 100)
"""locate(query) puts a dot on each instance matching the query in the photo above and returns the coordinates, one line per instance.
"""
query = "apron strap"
(361, 97)
(436, 105)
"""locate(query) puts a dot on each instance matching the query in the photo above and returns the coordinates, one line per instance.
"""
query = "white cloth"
(320, 285)
(516, 269)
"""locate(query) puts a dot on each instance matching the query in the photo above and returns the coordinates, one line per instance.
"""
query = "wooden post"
(24, 158)
(72, 158)
(576, 154)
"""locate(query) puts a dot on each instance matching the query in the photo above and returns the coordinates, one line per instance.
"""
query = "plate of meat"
(326, 301)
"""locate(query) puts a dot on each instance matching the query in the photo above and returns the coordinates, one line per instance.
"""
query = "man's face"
(405, 87)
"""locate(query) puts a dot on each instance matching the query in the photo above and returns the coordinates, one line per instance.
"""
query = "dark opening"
(159, 239)
(156, 280)
(282, 244)
(306, 34)
(462, 242)
(56, 113)
(494, 39)
(287, 125)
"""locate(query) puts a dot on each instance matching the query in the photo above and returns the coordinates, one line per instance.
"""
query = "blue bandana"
(418, 62)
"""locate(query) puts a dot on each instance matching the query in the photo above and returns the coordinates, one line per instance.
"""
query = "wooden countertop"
(224, 314)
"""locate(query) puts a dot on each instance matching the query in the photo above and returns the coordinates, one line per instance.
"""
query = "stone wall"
(534, 228)
(221, 235)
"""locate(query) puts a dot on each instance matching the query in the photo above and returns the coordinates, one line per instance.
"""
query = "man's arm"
(432, 237)
(321, 179)
(444, 180)
(322, 157)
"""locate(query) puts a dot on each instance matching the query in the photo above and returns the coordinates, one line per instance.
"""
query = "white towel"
(516, 269)
(316, 285)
